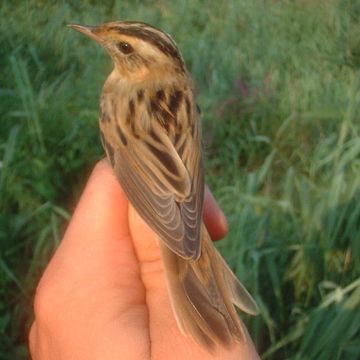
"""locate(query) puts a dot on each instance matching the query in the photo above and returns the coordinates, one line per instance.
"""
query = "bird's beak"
(89, 31)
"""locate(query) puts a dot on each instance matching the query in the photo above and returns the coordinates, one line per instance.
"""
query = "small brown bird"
(151, 134)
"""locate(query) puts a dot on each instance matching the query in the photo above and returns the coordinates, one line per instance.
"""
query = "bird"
(150, 130)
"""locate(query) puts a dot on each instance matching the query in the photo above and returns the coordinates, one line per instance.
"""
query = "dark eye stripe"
(150, 35)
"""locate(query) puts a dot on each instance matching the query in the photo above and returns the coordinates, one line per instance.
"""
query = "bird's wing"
(163, 178)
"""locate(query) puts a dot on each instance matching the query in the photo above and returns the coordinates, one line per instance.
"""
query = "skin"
(103, 294)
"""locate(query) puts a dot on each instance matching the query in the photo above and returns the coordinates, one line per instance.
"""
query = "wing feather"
(162, 175)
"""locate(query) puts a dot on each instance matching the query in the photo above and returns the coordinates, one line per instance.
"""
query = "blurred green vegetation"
(279, 86)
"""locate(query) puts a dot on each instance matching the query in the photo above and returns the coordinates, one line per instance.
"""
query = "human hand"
(103, 294)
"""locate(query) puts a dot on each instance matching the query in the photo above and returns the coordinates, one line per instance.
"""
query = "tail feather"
(203, 294)
(239, 295)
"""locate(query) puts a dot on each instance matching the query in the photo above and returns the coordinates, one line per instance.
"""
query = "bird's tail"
(203, 294)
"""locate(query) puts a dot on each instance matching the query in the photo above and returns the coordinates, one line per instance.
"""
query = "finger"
(214, 218)
(98, 228)
(94, 274)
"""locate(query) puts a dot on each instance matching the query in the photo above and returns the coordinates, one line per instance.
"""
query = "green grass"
(279, 86)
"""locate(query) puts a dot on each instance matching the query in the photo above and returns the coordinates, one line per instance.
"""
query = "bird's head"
(137, 49)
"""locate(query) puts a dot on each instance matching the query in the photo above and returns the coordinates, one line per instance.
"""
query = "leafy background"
(279, 85)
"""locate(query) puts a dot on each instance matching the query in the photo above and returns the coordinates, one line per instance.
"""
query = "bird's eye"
(125, 47)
